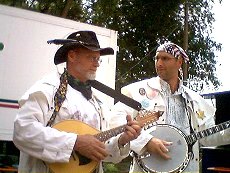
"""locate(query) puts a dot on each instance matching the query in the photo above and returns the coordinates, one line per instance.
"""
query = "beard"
(88, 75)
(91, 76)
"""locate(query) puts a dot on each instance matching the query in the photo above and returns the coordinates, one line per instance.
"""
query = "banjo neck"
(180, 151)
(207, 132)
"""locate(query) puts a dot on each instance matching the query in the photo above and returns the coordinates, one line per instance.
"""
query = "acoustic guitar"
(81, 164)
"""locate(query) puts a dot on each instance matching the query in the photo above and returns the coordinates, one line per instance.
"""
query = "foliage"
(121, 167)
(142, 25)
(71, 9)
(110, 168)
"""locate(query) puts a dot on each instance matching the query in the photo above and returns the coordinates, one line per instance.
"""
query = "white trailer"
(26, 56)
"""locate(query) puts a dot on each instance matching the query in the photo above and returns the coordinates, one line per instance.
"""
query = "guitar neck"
(207, 132)
(145, 118)
(105, 135)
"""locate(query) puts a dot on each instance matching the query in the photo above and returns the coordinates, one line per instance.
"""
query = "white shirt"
(39, 144)
(155, 95)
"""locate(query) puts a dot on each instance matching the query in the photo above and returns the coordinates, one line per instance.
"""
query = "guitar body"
(81, 164)
(74, 165)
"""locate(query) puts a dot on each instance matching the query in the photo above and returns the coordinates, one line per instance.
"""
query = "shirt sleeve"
(119, 112)
(205, 116)
(116, 153)
(33, 137)
(219, 138)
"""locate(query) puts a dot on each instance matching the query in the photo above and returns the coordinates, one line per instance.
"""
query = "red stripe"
(9, 106)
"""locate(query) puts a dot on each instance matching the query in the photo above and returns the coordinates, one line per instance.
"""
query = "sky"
(221, 34)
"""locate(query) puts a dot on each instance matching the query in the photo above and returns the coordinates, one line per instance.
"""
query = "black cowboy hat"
(87, 39)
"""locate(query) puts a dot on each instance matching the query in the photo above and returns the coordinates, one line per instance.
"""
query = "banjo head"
(178, 152)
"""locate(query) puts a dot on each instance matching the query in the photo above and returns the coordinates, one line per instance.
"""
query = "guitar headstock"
(146, 118)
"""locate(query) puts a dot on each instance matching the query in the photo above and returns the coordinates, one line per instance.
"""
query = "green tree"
(71, 9)
(141, 26)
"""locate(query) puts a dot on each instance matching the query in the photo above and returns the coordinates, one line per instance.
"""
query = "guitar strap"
(115, 94)
(59, 96)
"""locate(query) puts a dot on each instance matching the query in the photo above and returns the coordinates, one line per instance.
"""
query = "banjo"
(179, 150)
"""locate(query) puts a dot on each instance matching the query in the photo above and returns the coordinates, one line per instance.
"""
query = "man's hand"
(133, 130)
(158, 146)
(90, 147)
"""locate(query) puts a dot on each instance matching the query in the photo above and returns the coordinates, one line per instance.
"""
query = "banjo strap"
(190, 127)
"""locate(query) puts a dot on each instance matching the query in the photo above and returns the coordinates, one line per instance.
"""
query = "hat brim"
(61, 54)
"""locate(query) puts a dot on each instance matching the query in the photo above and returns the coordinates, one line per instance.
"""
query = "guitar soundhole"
(83, 160)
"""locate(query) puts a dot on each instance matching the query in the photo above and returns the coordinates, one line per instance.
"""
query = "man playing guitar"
(49, 107)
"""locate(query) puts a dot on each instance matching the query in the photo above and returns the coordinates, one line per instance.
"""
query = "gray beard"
(91, 76)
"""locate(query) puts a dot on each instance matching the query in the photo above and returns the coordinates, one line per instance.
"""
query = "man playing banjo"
(168, 147)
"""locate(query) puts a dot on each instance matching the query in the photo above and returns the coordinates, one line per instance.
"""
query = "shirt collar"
(161, 85)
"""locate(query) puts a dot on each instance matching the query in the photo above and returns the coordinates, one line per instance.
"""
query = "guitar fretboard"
(105, 135)
(207, 132)
(144, 117)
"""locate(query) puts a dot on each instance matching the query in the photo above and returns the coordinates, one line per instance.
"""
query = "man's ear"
(71, 55)
(180, 60)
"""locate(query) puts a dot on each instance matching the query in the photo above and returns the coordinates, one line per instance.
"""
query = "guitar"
(79, 163)
(179, 150)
